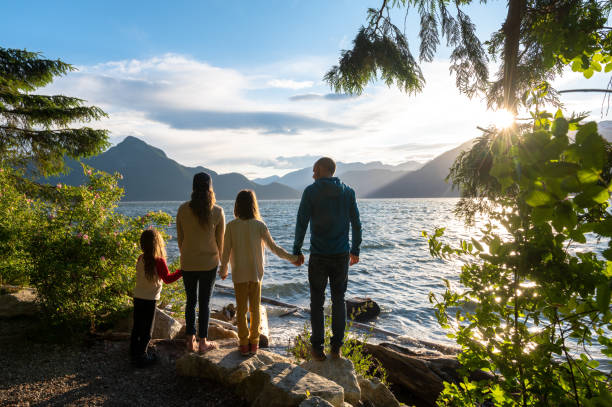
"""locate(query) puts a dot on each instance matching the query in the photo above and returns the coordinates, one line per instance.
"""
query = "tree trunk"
(512, 31)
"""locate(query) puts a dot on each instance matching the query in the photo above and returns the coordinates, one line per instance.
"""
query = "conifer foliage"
(35, 130)
(537, 39)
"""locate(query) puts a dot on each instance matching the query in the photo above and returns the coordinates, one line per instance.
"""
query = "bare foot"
(206, 345)
(190, 342)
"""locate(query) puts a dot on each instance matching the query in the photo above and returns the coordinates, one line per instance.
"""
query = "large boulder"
(164, 326)
(287, 385)
(374, 392)
(340, 371)
(21, 303)
(265, 379)
(225, 365)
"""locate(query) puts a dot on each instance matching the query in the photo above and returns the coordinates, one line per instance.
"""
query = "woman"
(200, 225)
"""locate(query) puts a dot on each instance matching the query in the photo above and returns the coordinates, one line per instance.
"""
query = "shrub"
(19, 219)
(532, 302)
(84, 253)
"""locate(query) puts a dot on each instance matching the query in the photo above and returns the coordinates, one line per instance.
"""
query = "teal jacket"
(330, 207)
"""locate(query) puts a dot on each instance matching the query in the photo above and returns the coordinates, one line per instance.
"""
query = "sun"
(502, 119)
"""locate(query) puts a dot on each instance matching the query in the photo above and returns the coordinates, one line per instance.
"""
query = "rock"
(361, 308)
(218, 332)
(265, 379)
(225, 365)
(340, 371)
(164, 326)
(227, 313)
(373, 391)
(421, 375)
(19, 304)
(286, 385)
(315, 402)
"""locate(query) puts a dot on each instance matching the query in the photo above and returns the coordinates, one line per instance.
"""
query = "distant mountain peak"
(132, 143)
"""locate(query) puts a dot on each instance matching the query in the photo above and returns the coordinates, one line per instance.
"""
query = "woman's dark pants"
(144, 313)
(335, 269)
(199, 286)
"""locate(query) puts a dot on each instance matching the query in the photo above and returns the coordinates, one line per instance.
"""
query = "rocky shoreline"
(99, 372)
(95, 373)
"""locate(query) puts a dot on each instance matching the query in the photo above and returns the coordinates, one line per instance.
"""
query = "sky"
(238, 86)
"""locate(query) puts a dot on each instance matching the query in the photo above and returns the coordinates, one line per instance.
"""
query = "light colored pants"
(248, 292)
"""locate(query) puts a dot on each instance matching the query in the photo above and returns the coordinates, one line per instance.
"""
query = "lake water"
(395, 267)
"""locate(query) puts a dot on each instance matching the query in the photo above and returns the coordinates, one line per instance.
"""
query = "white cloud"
(290, 84)
(240, 120)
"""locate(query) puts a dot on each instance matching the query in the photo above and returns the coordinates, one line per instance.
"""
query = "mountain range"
(150, 175)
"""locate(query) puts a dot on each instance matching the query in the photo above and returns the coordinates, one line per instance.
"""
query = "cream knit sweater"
(244, 247)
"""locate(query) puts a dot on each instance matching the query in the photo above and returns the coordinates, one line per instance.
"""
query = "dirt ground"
(94, 372)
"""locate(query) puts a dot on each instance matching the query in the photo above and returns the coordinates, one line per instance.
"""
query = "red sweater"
(164, 273)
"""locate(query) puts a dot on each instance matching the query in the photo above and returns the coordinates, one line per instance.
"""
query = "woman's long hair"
(202, 197)
(246, 207)
(153, 247)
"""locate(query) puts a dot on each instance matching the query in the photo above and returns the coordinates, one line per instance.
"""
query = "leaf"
(560, 126)
(595, 66)
(541, 215)
(538, 198)
(584, 131)
(603, 296)
(477, 245)
(608, 67)
(571, 184)
(597, 193)
(608, 270)
(588, 73)
(588, 176)
(564, 215)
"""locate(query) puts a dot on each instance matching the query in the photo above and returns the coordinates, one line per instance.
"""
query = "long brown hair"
(202, 197)
(246, 207)
(153, 247)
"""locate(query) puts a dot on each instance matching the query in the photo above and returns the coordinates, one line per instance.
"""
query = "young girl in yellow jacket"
(243, 247)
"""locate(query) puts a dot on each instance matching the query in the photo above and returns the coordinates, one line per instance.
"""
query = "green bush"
(531, 302)
(79, 253)
(19, 219)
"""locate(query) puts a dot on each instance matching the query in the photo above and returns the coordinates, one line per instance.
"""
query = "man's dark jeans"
(199, 286)
(321, 268)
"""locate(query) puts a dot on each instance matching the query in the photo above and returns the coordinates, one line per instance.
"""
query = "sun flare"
(502, 119)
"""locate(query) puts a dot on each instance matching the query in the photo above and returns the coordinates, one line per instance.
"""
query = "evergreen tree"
(531, 303)
(35, 130)
(536, 40)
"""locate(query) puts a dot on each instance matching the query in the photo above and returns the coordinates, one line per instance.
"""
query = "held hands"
(223, 272)
(299, 261)
(353, 259)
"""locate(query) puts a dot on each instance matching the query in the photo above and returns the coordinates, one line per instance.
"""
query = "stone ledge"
(265, 379)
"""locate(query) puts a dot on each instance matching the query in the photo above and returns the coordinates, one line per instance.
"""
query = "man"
(330, 207)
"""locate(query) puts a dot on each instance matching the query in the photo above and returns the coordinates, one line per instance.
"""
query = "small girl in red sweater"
(151, 270)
